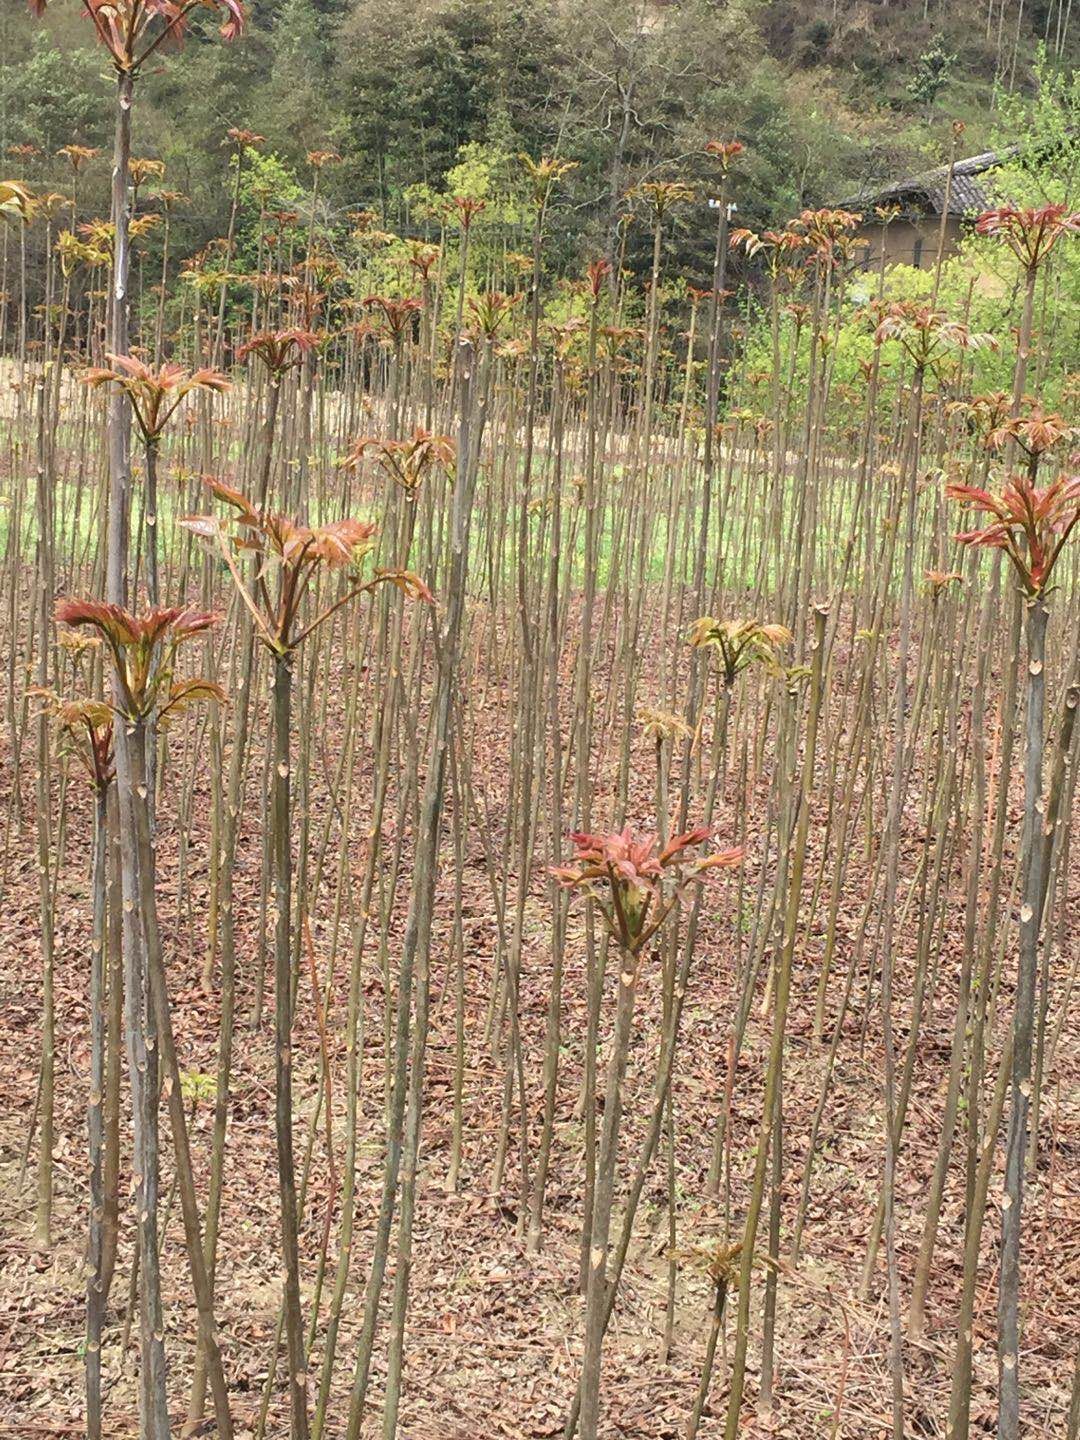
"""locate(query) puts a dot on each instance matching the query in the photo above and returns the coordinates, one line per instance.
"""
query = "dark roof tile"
(927, 191)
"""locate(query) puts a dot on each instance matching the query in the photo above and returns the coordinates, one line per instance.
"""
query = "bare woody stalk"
(958, 1418)
(95, 1293)
(281, 861)
(737, 645)
(294, 553)
(467, 449)
(583, 727)
(43, 806)
(231, 830)
(132, 31)
(1031, 525)
(405, 463)
(418, 925)
(86, 727)
(625, 878)
(721, 1266)
(775, 1063)
(143, 650)
(185, 1179)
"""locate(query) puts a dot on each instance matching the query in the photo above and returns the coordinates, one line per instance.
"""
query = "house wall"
(910, 242)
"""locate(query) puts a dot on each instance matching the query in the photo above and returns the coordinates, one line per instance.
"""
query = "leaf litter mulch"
(494, 1333)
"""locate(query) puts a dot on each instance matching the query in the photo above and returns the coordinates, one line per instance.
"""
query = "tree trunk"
(596, 1293)
(1033, 862)
(282, 873)
(95, 1296)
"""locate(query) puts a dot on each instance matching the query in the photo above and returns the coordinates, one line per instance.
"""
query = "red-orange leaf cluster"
(279, 350)
(131, 30)
(1041, 518)
(1032, 232)
(154, 394)
(632, 867)
(143, 647)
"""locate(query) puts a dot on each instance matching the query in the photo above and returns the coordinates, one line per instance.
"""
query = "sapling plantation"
(538, 861)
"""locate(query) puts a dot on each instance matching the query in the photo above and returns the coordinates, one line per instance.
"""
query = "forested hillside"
(826, 95)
